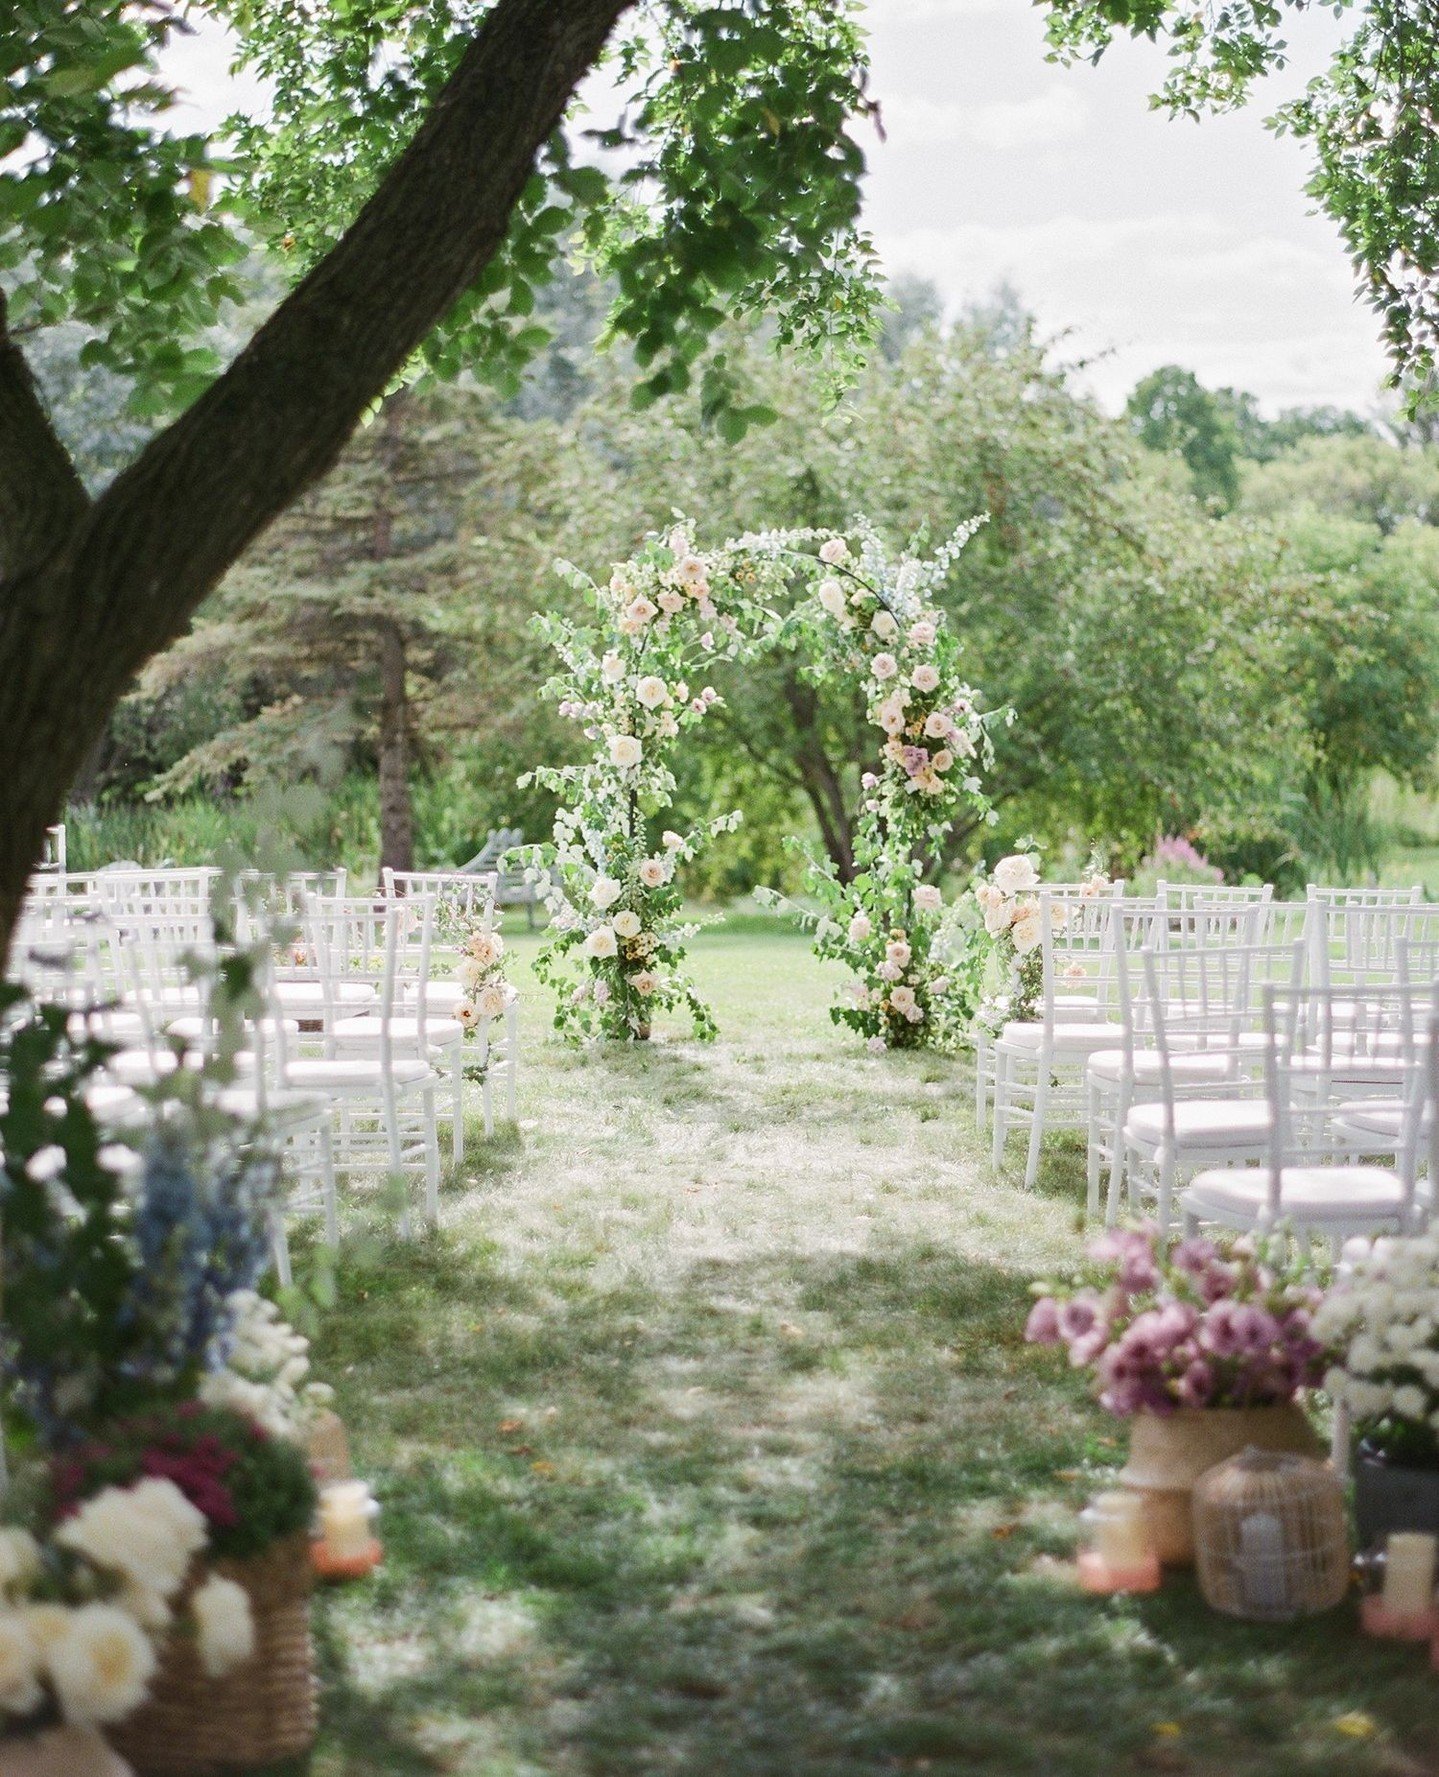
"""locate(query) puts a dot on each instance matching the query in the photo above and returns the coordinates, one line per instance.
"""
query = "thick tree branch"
(280, 414)
(41, 494)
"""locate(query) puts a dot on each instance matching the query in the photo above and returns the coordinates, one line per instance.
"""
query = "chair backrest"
(466, 892)
(1077, 946)
(1315, 1038)
(376, 943)
(1418, 950)
(1354, 938)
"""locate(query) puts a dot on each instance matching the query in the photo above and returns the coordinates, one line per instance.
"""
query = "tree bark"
(397, 813)
(90, 590)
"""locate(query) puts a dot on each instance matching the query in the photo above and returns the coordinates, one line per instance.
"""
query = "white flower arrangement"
(266, 1370)
(480, 972)
(80, 1615)
(1381, 1321)
(1013, 931)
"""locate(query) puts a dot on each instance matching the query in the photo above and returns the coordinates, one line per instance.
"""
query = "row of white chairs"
(352, 1052)
(1151, 1030)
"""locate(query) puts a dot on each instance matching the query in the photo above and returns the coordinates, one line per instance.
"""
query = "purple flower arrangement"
(1207, 1323)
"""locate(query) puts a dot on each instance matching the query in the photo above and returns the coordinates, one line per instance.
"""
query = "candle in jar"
(346, 1515)
(1409, 1572)
(1261, 1549)
(1119, 1538)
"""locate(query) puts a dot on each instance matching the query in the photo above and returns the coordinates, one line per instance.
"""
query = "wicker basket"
(1271, 1537)
(265, 1710)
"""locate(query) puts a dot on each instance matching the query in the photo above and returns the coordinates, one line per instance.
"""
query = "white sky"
(1151, 241)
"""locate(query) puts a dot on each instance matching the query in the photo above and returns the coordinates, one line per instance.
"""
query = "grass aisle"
(708, 1445)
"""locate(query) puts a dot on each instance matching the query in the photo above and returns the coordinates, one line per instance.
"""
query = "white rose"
(679, 542)
(937, 725)
(627, 923)
(890, 716)
(671, 841)
(928, 898)
(224, 1625)
(884, 626)
(639, 612)
(884, 666)
(922, 634)
(19, 1558)
(612, 668)
(1027, 931)
(601, 942)
(998, 917)
(651, 692)
(943, 759)
(492, 1000)
(466, 1015)
(645, 982)
(625, 751)
(671, 602)
(20, 1690)
(833, 551)
(653, 871)
(902, 999)
(831, 597)
(146, 1533)
(1016, 873)
(605, 891)
(924, 678)
(101, 1666)
(860, 928)
(1410, 1402)
(898, 953)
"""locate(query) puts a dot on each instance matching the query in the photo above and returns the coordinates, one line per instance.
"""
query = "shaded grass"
(708, 1443)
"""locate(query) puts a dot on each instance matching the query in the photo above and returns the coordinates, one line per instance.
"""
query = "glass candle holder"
(1398, 1587)
(1118, 1556)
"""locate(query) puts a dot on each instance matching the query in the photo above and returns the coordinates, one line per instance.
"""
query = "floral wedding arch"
(635, 680)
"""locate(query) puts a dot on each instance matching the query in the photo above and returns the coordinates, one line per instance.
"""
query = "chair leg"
(1036, 1127)
(1092, 1155)
(1166, 1191)
(512, 1062)
(457, 1112)
(981, 1094)
(432, 1161)
(280, 1248)
(1120, 1157)
(1001, 1109)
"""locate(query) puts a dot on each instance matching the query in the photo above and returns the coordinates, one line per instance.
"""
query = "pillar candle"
(1409, 1572)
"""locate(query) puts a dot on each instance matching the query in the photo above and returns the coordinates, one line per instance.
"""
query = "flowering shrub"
(635, 683)
(1382, 1321)
(1176, 859)
(1013, 929)
(1212, 1323)
(869, 619)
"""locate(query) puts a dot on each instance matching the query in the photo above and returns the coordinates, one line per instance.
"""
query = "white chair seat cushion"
(303, 999)
(1372, 1116)
(352, 1033)
(283, 1106)
(1072, 1038)
(354, 1074)
(1308, 1193)
(1108, 1064)
(1202, 1122)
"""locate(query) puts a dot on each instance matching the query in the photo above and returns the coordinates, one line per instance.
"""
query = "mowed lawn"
(708, 1444)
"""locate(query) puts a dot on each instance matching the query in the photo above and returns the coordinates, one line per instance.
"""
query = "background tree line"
(1207, 621)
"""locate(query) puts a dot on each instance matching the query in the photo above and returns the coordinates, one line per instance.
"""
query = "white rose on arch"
(627, 923)
(1016, 874)
(651, 691)
(601, 942)
(884, 666)
(605, 891)
(884, 626)
(1027, 930)
(625, 751)
(612, 668)
(924, 678)
(833, 551)
(831, 597)
(928, 898)
(654, 871)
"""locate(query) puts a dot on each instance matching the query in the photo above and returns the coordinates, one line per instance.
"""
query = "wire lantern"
(1271, 1537)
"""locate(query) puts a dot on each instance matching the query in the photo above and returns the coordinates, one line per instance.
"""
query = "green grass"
(708, 1445)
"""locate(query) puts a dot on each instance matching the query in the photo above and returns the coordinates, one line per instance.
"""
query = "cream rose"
(1016, 874)
(224, 1625)
(831, 596)
(627, 923)
(922, 634)
(924, 678)
(605, 891)
(903, 1001)
(645, 982)
(884, 626)
(937, 725)
(833, 551)
(101, 1667)
(651, 691)
(625, 751)
(898, 953)
(928, 898)
(884, 666)
(860, 928)
(1027, 930)
(612, 668)
(492, 1000)
(601, 942)
(653, 871)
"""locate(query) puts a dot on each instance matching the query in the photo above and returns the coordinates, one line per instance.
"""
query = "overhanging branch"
(41, 494)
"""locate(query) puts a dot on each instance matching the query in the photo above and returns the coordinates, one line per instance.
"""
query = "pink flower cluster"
(1208, 1324)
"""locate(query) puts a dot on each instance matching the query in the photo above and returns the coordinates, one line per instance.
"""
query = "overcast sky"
(1152, 241)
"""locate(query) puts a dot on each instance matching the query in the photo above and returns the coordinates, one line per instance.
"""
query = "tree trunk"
(397, 811)
(89, 590)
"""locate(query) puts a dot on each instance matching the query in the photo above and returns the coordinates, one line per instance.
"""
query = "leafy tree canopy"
(732, 185)
(1370, 119)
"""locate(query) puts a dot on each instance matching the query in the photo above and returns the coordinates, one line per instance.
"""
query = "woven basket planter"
(1168, 1455)
(265, 1710)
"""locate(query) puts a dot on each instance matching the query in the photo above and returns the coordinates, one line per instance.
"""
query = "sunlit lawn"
(708, 1445)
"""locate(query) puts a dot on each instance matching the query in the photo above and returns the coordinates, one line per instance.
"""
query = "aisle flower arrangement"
(1230, 1322)
(154, 1404)
(635, 683)
(1380, 1322)
(1012, 933)
(486, 990)
(869, 618)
